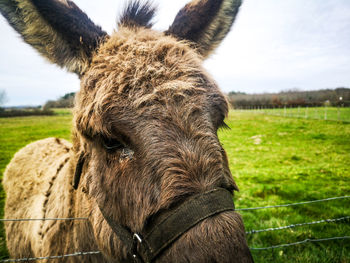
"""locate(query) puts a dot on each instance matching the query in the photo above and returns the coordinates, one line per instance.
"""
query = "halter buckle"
(137, 240)
(137, 237)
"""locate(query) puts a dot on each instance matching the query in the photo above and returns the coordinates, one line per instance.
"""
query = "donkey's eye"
(112, 144)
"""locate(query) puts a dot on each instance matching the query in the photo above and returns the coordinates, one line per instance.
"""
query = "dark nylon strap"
(78, 171)
(173, 224)
(183, 218)
(123, 233)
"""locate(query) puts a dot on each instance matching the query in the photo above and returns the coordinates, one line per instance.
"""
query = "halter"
(146, 246)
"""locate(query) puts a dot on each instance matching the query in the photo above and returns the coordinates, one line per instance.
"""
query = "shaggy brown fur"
(146, 121)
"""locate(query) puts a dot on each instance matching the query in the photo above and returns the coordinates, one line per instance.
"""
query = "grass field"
(279, 160)
(274, 160)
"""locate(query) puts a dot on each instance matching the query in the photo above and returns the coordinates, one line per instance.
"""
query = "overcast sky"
(274, 45)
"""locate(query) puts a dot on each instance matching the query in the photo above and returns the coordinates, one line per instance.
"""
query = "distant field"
(277, 160)
(317, 113)
(274, 160)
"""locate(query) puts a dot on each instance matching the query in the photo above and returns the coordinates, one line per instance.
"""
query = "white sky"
(274, 45)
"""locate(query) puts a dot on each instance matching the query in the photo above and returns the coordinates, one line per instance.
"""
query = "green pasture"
(277, 160)
(274, 160)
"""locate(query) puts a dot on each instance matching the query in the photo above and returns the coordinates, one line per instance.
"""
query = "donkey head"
(146, 117)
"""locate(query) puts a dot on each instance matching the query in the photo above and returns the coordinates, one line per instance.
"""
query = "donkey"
(146, 168)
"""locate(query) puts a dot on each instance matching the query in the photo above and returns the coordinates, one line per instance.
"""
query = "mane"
(138, 14)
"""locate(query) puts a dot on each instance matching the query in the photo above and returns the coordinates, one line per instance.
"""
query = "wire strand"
(299, 224)
(251, 248)
(293, 204)
(300, 242)
(238, 209)
(52, 257)
(42, 219)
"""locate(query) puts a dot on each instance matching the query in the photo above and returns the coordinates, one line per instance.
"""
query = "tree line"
(66, 101)
(292, 98)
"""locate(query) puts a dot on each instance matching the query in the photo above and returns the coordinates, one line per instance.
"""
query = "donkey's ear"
(205, 23)
(58, 29)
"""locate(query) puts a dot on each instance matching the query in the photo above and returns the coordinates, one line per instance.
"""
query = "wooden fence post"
(338, 113)
(306, 109)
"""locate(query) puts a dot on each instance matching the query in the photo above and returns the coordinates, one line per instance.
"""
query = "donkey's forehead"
(142, 59)
(142, 70)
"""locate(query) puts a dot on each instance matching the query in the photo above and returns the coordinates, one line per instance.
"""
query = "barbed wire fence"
(250, 232)
(333, 220)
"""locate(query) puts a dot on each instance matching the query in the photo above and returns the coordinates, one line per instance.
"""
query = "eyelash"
(224, 126)
(112, 145)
